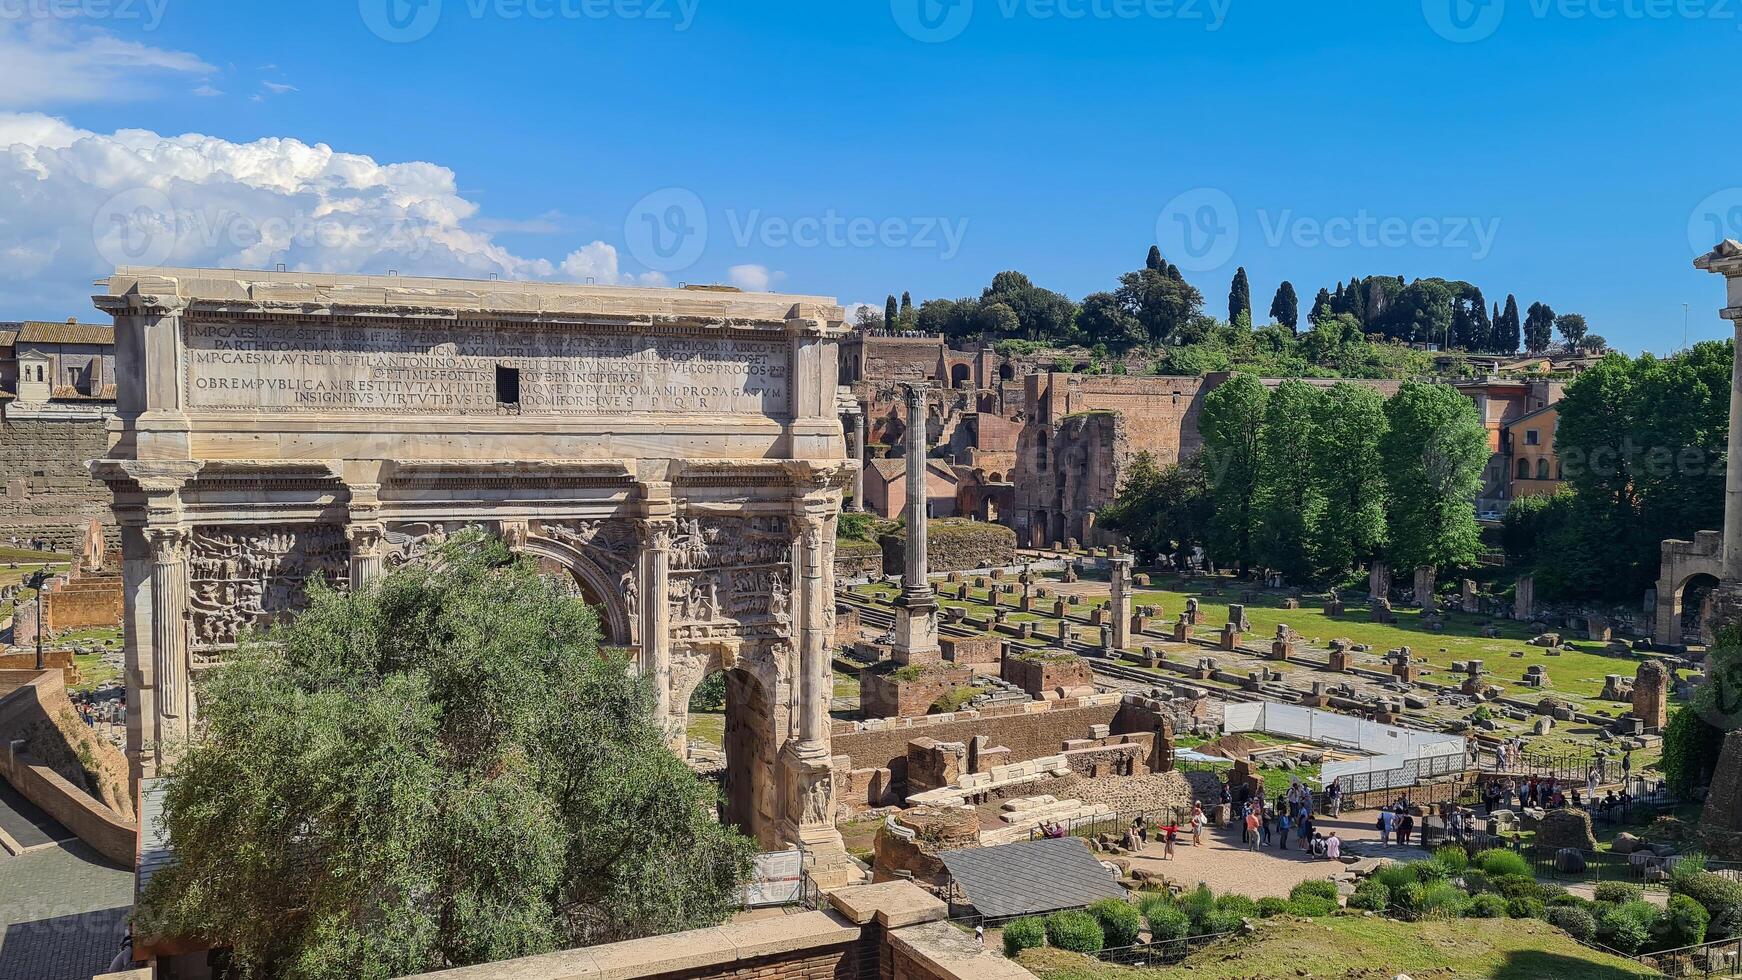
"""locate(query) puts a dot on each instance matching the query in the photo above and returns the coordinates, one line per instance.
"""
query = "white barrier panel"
(1396, 757)
(1243, 717)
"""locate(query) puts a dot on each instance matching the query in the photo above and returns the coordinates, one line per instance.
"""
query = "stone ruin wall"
(48, 491)
(956, 546)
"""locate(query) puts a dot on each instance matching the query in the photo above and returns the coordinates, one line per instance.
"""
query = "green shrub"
(1574, 921)
(1485, 906)
(1270, 906)
(1684, 923)
(953, 700)
(1498, 863)
(1395, 876)
(1221, 923)
(1617, 892)
(1407, 898)
(1453, 858)
(1198, 906)
(1515, 886)
(1120, 921)
(1556, 895)
(1147, 901)
(1721, 897)
(1525, 908)
(1075, 931)
(1320, 889)
(1628, 928)
(1312, 906)
(1442, 901)
(1029, 933)
(1371, 896)
(1475, 882)
(1167, 922)
(1237, 905)
(1430, 872)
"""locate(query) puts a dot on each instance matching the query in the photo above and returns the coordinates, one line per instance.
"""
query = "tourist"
(1334, 847)
(1266, 818)
(1171, 836)
(1198, 821)
(1251, 827)
(1245, 822)
(1304, 826)
(1384, 826)
(1130, 840)
(1591, 783)
(1626, 766)
(1336, 794)
(1317, 845)
(1142, 829)
(1283, 823)
(1405, 824)
(980, 933)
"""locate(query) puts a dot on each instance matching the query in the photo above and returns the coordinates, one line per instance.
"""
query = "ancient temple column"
(809, 785)
(655, 626)
(1120, 577)
(367, 559)
(916, 623)
(1726, 260)
(813, 645)
(859, 454)
(172, 696)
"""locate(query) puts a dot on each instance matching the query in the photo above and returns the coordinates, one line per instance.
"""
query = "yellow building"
(1528, 445)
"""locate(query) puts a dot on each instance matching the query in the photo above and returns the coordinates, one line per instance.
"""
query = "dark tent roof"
(1031, 877)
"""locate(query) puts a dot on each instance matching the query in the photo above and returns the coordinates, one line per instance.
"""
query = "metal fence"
(1162, 953)
(1117, 823)
(1721, 959)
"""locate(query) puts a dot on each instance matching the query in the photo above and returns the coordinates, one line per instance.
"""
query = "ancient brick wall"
(956, 546)
(858, 559)
(902, 358)
(86, 600)
(47, 490)
(1029, 733)
(891, 695)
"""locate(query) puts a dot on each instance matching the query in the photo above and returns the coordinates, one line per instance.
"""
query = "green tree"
(1164, 304)
(1510, 332)
(440, 769)
(907, 320)
(892, 313)
(1231, 423)
(1155, 261)
(956, 319)
(1573, 328)
(1356, 300)
(1240, 297)
(1285, 307)
(1322, 305)
(1102, 319)
(1481, 327)
(1348, 471)
(1434, 449)
(1287, 499)
(1043, 314)
(1163, 510)
(1538, 328)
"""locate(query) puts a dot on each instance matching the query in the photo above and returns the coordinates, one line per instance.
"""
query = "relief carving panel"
(241, 576)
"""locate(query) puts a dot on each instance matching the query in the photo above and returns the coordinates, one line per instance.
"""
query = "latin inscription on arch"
(438, 369)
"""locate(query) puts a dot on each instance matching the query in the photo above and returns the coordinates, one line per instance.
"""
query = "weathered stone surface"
(1567, 828)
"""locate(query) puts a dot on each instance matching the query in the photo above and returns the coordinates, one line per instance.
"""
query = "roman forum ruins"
(675, 454)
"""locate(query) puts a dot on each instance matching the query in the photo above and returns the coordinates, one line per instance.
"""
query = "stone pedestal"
(1524, 599)
(1651, 695)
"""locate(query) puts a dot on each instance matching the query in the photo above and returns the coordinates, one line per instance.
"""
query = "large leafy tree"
(1349, 473)
(1231, 422)
(1538, 327)
(1573, 328)
(1434, 449)
(1102, 319)
(1285, 307)
(440, 769)
(1163, 510)
(1163, 302)
(1287, 498)
(1042, 313)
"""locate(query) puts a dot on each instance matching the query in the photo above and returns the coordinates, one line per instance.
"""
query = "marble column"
(655, 625)
(916, 609)
(809, 810)
(367, 553)
(1120, 607)
(859, 453)
(171, 701)
(1726, 260)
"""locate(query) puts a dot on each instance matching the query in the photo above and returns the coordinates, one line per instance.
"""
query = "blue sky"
(1566, 151)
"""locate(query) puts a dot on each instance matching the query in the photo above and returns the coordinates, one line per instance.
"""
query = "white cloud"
(755, 278)
(50, 61)
(854, 308)
(208, 91)
(277, 88)
(78, 203)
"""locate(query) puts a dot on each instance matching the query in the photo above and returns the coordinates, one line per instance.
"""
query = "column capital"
(169, 544)
(656, 533)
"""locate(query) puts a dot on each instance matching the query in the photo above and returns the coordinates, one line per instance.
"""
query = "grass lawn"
(1578, 671)
(708, 727)
(1359, 947)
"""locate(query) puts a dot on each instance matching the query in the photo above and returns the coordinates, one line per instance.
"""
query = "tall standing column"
(171, 700)
(1726, 260)
(809, 783)
(813, 645)
(655, 625)
(859, 455)
(1120, 577)
(916, 609)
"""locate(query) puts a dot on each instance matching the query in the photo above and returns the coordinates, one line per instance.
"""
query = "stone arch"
(1006, 372)
(959, 376)
(756, 726)
(598, 587)
(1684, 562)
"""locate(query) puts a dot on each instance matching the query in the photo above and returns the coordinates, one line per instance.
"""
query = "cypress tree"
(907, 311)
(1357, 300)
(1155, 260)
(1512, 334)
(1320, 302)
(1240, 297)
(891, 317)
(1285, 308)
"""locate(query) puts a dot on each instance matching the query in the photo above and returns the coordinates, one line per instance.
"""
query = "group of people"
(1396, 823)
(1291, 813)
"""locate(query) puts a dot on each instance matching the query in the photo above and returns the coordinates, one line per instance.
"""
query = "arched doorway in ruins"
(735, 716)
(586, 581)
(1694, 608)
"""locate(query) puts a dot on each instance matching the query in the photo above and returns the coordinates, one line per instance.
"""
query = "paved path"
(1226, 865)
(23, 823)
(62, 909)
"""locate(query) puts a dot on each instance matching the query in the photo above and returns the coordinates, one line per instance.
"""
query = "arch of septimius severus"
(678, 454)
